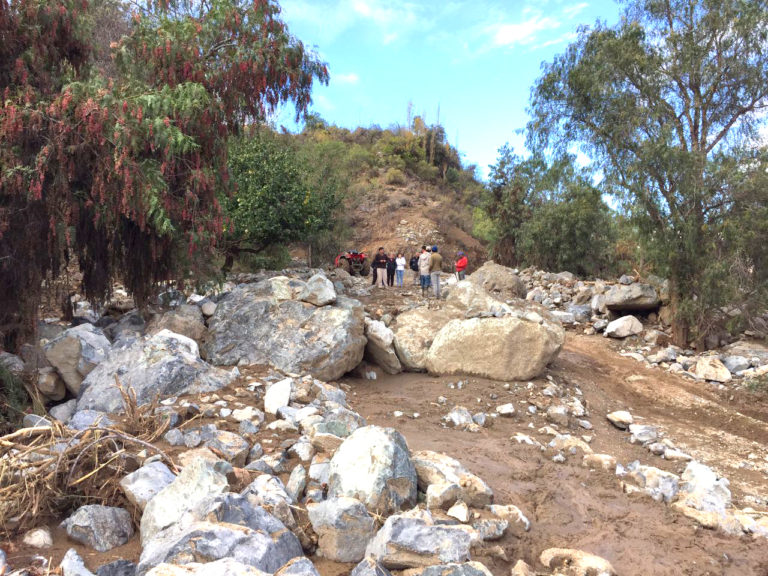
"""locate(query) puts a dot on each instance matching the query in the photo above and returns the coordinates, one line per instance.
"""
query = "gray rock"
(736, 363)
(83, 419)
(129, 327)
(498, 279)
(558, 414)
(76, 352)
(318, 291)
(232, 447)
(164, 364)
(701, 488)
(174, 437)
(208, 308)
(209, 541)
(370, 567)
(186, 320)
(298, 567)
(33, 421)
(465, 569)
(660, 485)
(117, 568)
(643, 433)
(73, 565)
(373, 465)
(223, 567)
(278, 396)
(343, 527)
(261, 324)
(581, 312)
(380, 349)
(633, 298)
(435, 468)
(413, 540)
(143, 484)
(297, 482)
(197, 481)
(12, 363)
(63, 412)
(624, 327)
(100, 527)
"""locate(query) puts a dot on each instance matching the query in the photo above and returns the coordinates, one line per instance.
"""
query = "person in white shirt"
(400, 270)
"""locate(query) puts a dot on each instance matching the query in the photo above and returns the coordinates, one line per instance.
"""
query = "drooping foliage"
(122, 167)
(665, 102)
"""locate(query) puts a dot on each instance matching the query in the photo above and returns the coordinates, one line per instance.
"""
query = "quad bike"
(353, 262)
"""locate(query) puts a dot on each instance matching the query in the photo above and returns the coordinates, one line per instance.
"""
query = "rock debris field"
(303, 423)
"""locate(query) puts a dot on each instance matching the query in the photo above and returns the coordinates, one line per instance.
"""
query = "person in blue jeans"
(400, 268)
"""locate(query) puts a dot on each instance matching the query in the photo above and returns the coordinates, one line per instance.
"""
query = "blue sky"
(475, 60)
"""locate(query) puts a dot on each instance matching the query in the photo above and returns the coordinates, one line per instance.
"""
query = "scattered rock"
(576, 562)
(624, 327)
(38, 538)
(710, 368)
(100, 527)
(143, 484)
(413, 540)
(343, 527)
(318, 291)
(76, 352)
(72, 565)
(498, 279)
(439, 469)
(621, 419)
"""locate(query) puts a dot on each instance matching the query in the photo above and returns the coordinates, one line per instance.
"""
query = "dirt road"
(571, 506)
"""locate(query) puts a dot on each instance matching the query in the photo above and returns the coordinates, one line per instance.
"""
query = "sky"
(473, 61)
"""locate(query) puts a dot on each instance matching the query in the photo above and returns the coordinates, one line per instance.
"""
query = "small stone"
(174, 437)
(621, 419)
(142, 485)
(558, 415)
(506, 409)
(38, 538)
(459, 511)
(278, 395)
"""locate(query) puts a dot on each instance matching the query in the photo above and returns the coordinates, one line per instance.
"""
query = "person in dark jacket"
(391, 267)
(414, 265)
(380, 268)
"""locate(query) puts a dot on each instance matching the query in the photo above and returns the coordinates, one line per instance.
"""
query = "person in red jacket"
(461, 265)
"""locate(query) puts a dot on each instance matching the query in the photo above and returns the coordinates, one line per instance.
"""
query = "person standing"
(435, 268)
(414, 264)
(391, 268)
(424, 269)
(461, 265)
(400, 269)
(380, 268)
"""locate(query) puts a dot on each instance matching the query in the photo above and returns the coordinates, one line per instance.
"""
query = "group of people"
(389, 270)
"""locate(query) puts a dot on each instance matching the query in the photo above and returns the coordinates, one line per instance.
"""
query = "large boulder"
(76, 352)
(373, 465)
(711, 368)
(507, 348)
(164, 364)
(498, 279)
(266, 323)
(632, 298)
(186, 320)
(414, 332)
(470, 300)
(380, 347)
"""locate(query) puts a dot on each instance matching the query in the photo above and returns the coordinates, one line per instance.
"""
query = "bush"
(394, 177)
(13, 399)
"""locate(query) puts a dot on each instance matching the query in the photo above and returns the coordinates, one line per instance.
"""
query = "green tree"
(277, 200)
(122, 167)
(660, 101)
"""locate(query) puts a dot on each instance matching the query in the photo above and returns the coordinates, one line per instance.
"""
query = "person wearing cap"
(424, 269)
(461, 265)
(435, 268)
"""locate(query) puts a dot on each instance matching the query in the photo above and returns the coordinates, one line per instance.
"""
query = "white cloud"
(525, 32)
(331, 18)
(574, 10)
(350, 78)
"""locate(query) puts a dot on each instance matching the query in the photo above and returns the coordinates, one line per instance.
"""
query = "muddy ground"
(568, 505)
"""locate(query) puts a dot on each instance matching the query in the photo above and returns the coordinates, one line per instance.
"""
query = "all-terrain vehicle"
(353, 262)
